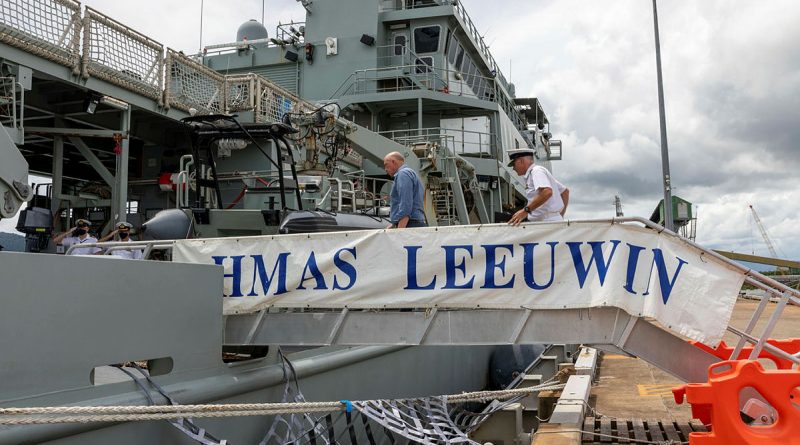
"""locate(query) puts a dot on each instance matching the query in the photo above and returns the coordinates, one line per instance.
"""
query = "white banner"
(535, 266)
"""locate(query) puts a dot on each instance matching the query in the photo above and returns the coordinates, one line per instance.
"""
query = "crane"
(764, 234)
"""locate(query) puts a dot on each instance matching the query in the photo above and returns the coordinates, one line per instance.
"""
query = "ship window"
(454, 48)
(399, 45)
(424, 65)
(426, 39)
(459, 57)
(466, 64)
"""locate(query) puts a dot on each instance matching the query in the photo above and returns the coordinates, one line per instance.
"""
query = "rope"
(87, 414)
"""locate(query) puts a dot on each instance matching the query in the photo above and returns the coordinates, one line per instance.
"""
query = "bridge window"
(426, 39)
(399, 45)
(454, 52)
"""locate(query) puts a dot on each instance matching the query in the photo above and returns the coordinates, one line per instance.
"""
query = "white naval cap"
(518, 153)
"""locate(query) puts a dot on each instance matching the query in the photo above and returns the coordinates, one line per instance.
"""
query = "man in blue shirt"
(407, 193)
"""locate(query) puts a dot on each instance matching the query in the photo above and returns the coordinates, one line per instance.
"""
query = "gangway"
(606, 326)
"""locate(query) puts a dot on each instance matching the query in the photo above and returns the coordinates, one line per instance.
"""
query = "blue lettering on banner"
(411, 271)
(270, 275)
(450, 267)
(633, 260)
(266, 280)
(316, 275)
(665, 283)
(345, 267)
(492, 264)
(528, 265)
(581, 270)
(235, 275)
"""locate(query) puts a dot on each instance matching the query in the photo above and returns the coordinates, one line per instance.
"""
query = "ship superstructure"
(287, 133)
(359, 79)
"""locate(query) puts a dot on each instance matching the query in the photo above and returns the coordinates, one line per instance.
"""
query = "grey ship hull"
(64, 316)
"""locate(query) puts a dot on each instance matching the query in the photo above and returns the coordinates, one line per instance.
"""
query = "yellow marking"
(655, 390)
(615, 356)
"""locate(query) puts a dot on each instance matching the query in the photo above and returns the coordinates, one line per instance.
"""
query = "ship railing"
(147, 247)
(121, 56)
(95, 45)
(462, 142)
(192, 85)
(399, 5)
(12, 110)
(47, 28)
(461, 12)
(417, 76)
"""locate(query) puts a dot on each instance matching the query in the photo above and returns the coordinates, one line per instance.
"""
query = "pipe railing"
(95, 45)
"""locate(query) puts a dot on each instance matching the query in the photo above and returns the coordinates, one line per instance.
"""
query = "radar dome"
(251, 30)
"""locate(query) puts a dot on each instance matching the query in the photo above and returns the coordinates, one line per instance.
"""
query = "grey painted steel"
(669, 222)
(76, 313)
(598, 326)
(119, 198)
(324, 374)
(573, 401)
(79, 132)
(55, 331)
(379, 146)
(13, 169)
(58, 172)
(93, 160)
(458, 196)
(586, 363)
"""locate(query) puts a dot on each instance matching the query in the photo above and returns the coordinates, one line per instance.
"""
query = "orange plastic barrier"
(723, 351)
(718, 403)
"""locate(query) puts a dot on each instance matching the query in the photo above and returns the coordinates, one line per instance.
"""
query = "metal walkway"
(607, 328)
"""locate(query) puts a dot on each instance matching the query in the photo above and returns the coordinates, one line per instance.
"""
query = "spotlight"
(367, 39)
(290, 56)
(90, 103)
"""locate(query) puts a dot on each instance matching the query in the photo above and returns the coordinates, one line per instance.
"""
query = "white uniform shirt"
(70, 240)
(538, 177)
(133, 254)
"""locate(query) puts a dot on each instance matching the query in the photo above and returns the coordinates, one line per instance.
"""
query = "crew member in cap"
(78, 235)
(123, 231)
(407, 192)
(547, 198)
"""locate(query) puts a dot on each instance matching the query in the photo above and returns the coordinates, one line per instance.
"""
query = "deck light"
(290, 56)
(367, 39)
(91, 102)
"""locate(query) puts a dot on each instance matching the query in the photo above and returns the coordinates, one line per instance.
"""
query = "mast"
(669, 222)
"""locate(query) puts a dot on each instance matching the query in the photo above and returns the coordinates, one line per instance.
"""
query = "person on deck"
(123, 230)
(78, 235)
(407, 193)
(547, 198)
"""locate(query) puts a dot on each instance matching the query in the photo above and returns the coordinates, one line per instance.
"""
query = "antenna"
(618, 206)
(263, 15)
(201, 26)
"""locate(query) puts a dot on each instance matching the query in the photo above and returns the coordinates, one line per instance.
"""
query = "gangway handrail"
(786, 295)
(145, 246)
(442, 325)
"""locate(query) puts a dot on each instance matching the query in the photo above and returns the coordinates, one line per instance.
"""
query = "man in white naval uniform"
(547, 198)
(123, 230)
(78, 235)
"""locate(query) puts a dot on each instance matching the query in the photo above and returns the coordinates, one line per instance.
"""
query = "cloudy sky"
(732, 86)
